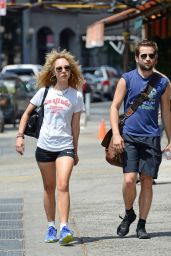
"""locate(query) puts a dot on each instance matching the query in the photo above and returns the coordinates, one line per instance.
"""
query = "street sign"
(3, 7)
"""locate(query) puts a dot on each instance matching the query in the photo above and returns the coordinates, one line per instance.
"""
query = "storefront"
(157, 27)
(150, 20)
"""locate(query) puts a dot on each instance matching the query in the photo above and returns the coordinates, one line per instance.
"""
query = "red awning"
(117, 17)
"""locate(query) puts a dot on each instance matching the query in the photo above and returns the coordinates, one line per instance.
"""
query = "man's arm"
(166, 114)
(120, 93)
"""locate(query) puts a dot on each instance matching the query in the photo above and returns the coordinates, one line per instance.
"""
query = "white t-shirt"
(59, 106)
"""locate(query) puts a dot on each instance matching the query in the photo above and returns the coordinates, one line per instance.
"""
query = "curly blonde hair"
(44, 78)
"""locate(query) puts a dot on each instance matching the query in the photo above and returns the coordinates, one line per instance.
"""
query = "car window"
(31, 85)
(88, 70)
(39, 69)
(3, 89)
(20, 72)
(98, 73)
(13, 85)
(111, 74)
(10, 85)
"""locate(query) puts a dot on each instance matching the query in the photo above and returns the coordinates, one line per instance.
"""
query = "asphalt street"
(96, 202)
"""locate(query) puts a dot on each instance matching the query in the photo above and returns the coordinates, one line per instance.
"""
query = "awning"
(150, 7)
(117, 17)
(95, 32)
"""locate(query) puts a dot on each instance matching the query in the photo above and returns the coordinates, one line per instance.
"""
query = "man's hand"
(118, 143)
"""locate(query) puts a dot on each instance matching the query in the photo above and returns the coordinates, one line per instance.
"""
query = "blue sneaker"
(51, 236)
(66, 236)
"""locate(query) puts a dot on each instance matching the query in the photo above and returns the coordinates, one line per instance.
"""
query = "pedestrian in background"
(140, 141)
(57, 145)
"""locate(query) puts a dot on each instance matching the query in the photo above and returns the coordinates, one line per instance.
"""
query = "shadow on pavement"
(162, 182)
(83, 240)
(160, 234)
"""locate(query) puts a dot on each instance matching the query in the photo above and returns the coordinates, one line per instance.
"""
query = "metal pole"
(126, 40)
(0, 45)
(87, 105)
(25, 29)
(1, 32)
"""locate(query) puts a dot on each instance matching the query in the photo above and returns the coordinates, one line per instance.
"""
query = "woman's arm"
(75, 125)
(22, 126)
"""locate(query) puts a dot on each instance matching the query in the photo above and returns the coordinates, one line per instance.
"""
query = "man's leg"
(129, 189)
(129, 195)
(145, 199)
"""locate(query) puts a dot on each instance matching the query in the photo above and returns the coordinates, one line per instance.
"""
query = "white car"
(24, 71)
(106, 79)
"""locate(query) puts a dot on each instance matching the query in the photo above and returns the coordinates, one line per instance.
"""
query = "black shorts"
(43, 155)
(142, 155)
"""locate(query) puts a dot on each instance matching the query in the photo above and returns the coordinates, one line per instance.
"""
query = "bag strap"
(141, 97)
(44, 96)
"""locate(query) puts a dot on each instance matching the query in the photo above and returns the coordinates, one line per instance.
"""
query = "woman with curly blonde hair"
(57, 145)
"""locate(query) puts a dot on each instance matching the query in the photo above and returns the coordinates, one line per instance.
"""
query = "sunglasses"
(151, 56)
(60, 68)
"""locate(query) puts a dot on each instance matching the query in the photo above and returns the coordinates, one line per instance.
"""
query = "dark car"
(1, 121)
(14, 90)
(7, 107)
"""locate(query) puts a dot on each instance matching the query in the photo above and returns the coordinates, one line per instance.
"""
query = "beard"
(145, 68)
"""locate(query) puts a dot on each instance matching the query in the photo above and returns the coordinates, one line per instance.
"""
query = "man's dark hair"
(146, 43)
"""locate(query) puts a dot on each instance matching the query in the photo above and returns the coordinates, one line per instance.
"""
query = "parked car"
(96, 92)
(31, 85)
(1, 121)
(24, 71)
(7, 108)
(106, 77)
(14, 97)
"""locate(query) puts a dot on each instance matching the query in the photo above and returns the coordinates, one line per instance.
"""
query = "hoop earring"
(53, 78)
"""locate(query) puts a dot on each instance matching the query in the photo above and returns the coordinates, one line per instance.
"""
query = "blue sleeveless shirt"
(144, 122)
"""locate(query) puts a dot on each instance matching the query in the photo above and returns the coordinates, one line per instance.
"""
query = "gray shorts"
(142, 155)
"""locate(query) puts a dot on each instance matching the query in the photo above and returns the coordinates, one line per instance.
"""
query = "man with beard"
(140, 139)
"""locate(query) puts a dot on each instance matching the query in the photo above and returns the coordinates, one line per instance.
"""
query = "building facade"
(29, 33)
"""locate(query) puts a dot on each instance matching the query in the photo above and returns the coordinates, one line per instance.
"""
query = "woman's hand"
(20, 144)
(76, 159)
(20, 136)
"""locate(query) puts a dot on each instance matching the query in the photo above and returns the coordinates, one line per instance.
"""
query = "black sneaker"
(123, 228)
(142, 233)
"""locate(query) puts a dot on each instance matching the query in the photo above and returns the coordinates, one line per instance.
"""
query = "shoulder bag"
(111, 156)
(36, 118)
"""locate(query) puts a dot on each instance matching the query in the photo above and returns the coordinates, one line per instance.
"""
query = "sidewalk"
(96, 203)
